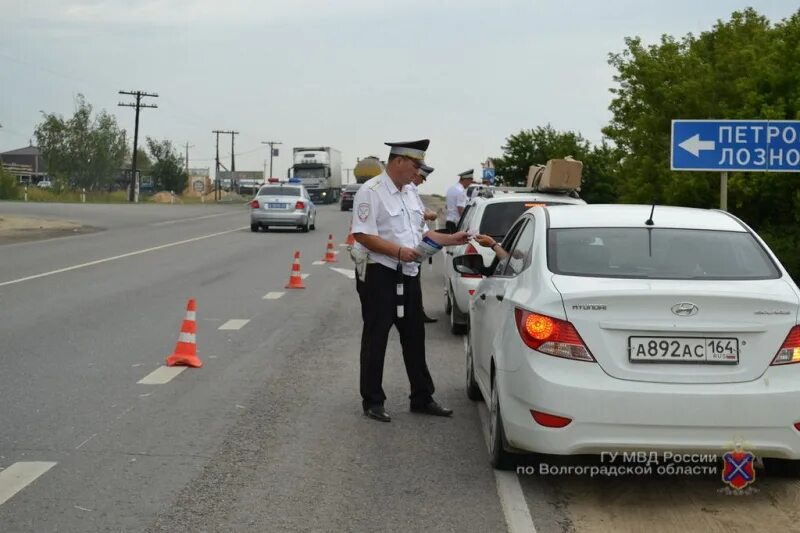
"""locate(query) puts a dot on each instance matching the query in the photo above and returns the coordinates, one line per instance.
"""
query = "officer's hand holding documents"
(433, 242)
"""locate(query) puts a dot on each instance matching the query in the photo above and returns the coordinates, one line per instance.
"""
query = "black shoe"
(429, 320)
(433, 409)
(377, 412)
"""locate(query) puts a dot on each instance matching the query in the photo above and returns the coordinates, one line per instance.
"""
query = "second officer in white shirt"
(388, 285)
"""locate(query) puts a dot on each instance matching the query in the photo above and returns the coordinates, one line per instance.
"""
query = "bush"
(9, 190)
(785, 242)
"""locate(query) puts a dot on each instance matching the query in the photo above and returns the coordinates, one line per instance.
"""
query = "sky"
(350, 74)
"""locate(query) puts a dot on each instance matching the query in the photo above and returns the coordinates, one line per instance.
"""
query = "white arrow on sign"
(693, 145)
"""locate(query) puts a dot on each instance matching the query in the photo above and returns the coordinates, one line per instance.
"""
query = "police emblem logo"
(363, 212)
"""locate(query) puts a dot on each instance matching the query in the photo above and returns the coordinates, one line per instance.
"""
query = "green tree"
(9, 189)
(739, 69)
(536, 146)
(83, 151)
(167, 171)
(143, 162)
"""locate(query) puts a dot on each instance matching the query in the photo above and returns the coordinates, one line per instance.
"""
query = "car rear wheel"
(498, 456)
(314, 222)
(781, 467)
(448, 304)
(473, 391)
(254, 227)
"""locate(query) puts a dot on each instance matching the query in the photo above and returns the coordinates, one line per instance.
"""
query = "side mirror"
(469, 265)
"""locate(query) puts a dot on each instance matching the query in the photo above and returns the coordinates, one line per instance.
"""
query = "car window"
(658, 253)
(464, 217)
(520, 256)
(498, 217)
(279, 191)
(507, 244)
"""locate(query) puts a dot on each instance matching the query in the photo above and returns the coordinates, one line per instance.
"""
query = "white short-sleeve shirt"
(380, 208)
(456, 197)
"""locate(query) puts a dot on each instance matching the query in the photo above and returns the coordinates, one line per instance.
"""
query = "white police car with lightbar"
(605, 328)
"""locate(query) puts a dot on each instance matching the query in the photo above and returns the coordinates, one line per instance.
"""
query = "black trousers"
(450, 226)
(379, 300)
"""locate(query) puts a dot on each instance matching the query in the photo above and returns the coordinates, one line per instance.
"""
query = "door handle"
(449, 253)
(500, 297)
(483, 296)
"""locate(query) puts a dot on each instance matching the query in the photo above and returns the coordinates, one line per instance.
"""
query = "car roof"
(529, 197)
(633, 216)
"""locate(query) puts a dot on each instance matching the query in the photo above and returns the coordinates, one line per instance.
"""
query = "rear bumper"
(279, 219)
(610, 414)
(347, 204)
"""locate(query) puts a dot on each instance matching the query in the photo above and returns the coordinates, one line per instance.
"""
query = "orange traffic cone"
(295, 279)
(330, 255)
(350, 240)
(185, 353)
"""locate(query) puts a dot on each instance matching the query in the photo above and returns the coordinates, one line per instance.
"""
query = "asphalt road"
(268, 435)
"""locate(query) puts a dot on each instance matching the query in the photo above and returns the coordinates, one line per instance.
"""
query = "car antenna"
(649, 221)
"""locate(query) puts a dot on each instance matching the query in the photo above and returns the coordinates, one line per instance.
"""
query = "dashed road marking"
(234, 324)
(273, 295)
(19, 475)
(346, 272)
(304, 276)
(512, 500)
(318, 263)
(162, 375)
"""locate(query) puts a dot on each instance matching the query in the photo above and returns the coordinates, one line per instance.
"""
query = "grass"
(36, 194)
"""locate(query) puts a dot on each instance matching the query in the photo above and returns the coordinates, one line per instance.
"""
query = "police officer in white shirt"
(457, 200)
(426, 215)
(384, 217)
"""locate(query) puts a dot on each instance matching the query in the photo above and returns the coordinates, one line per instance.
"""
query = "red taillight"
(299, 205)
(790, 350)
(551, 336)
(797, 426)
(550, 421)
(472, 292)
(254, 204)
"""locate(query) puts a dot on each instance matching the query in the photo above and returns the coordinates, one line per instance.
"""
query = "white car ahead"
(490, 216)
(605, 330)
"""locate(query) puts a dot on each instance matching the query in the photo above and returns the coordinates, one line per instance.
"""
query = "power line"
(132, 197)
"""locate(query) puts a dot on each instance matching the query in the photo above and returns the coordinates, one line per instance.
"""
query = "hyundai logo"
(685, 309)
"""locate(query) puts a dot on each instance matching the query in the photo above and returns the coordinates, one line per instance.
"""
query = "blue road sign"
(736, 145)
(489, 175)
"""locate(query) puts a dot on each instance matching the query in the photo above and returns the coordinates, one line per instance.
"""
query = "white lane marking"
(318, 263)
(162, 375)
(84, 443)
(304, 276)
(191, 219)
(346, 272)
(234, 324)
(343, 245)
(19, 475)
(122, 256)
(512, 500)
(273, 295)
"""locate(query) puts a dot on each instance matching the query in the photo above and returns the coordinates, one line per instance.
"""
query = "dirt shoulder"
(15, 228)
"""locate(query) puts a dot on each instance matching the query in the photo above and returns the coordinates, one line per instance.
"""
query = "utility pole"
(217, 192)
(132, 196)
(271, 152)
(233, 156)
(348, 174)
(187, 156)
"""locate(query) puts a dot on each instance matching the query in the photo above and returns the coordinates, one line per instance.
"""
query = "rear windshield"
(658, 254)
(498, 218)
(279, 191)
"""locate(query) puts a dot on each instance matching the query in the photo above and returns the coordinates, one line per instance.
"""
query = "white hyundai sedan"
(608, 330)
